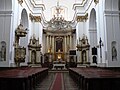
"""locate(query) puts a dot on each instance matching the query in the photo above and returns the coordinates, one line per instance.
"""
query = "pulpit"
(19, 51)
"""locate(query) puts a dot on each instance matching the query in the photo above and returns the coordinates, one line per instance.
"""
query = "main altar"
(59, 37)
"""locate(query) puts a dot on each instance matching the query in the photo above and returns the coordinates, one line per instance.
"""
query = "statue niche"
(34, 51)
(3, 51)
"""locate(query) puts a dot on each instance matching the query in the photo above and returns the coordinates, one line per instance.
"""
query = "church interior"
(59, 45)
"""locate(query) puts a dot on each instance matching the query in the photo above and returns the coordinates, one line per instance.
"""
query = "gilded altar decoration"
(59, 55)
(35, 18)
(58, 22)
(83, 47)
(82, 18)
(34, 51)
(20, 52)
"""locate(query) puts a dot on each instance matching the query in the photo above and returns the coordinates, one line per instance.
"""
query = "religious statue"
(3, 51)
(114, 53)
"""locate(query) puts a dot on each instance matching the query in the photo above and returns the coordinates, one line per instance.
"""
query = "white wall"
(111, 17)
(16, 17)
(107, 18)
(5, 27)
(99, 8)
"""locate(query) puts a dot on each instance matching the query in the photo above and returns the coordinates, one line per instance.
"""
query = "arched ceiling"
(67, 6)
(49, 4)
(65, 3)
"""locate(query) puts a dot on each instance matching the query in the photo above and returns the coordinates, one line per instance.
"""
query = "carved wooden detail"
(20, 52)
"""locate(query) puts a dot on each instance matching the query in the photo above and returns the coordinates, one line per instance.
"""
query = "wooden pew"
(21, 78)
(95, 79)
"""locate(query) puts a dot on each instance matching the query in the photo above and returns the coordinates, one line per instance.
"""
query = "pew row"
(22, 78)
(95, 79)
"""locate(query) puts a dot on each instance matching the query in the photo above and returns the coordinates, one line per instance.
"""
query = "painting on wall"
(59, 44)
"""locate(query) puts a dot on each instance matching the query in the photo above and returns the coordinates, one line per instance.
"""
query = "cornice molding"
(82, 4)
(59, 32)
(35, 5)
(82, 18)
(35, 18)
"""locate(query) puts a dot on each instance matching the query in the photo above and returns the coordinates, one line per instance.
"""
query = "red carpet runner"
(58, 82)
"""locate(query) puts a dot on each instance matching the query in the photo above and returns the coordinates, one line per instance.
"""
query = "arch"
(92, 22)
(24, 18)
(92, 31)
(24, 22)
(93, 28)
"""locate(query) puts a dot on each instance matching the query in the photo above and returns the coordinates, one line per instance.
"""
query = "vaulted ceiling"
(49, 4)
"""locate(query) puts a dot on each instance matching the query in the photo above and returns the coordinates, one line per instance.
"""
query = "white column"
(70, 41)
(87, 56)
(68, 44)
(65, 44)
(29, 55)
(80, 56)
(53, 46)
(47, 43)
(50, 41)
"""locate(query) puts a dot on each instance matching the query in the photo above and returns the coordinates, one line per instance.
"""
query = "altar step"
(59, 69)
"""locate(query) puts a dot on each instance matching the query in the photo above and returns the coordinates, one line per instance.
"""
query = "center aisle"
(57, 81)
(57, 84)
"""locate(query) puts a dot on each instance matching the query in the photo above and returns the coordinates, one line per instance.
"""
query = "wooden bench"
(95, 79)
(21, 78)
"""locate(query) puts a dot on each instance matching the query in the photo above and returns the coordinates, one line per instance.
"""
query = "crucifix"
(100, 44)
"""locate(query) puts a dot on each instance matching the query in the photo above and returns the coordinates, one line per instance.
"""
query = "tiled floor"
(68, 83)
(46, 83)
